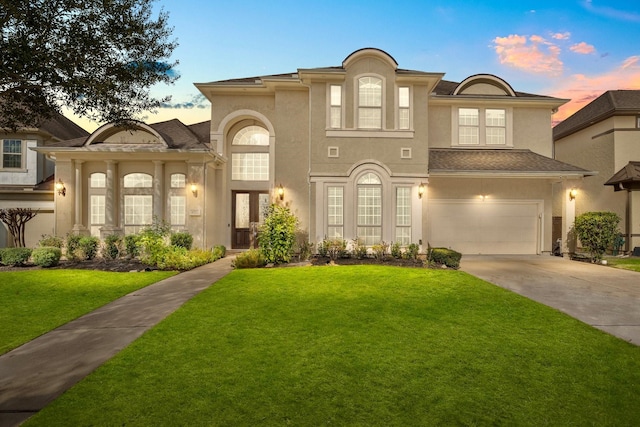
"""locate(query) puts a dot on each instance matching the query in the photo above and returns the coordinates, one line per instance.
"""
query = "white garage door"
(485, 227)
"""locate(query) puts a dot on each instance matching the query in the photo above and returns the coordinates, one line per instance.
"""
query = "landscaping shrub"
(444, 256)
(182, 239)
(358, 250)
(380, 250)
(88, 247)
(51, 241)
(278, 234)
(412, 251)
(303, 247)
(219, 251)
(253, 258)
(2, 252)
(396, 251)
(46, 256)
(15, 257)
(131, 242)
(597, 231)
(112, 246)
(333, 248)
(72, 245)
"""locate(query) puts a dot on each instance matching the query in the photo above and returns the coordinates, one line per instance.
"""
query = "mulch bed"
(119, 265)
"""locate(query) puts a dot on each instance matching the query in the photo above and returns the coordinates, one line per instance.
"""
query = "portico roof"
(626, 178)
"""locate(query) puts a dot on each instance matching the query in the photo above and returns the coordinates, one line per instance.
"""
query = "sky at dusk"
(570, 49)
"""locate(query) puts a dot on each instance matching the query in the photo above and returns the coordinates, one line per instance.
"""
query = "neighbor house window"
(335, 210)
(468, 126)
(250, 166)
(97, 185)
(11, 154)
(403, 108)
(403, 215)
(495, 126)
(335, 115)
(369, 216)
(369, 103)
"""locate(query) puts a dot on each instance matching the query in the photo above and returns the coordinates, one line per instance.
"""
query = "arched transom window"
(251, 135)
(250, 154)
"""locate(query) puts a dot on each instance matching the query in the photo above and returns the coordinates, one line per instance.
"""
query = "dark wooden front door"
(249, 208)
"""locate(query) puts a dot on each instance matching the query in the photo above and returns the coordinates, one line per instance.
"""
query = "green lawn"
(360, 345)
(37, 301)
(625, 263)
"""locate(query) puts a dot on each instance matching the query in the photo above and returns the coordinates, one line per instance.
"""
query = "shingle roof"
(177, 135)
(629, 175)
(452, 160)
(604, 106)
(62, 128)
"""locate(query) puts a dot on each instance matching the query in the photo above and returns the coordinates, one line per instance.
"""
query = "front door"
(249, 210)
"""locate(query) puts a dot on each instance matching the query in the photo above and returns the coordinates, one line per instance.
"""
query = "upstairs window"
(335, 113)
(403, 108)
(369, 103)
(482, 127)
(251, 135)
(11, 151)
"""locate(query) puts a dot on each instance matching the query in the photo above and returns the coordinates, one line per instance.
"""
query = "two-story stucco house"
(362, 150)
(605, 136)
(26, 177)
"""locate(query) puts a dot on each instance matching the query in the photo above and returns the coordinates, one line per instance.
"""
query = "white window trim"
(23, 146)
(330, 106)
(356, 102)
(482, 128)
(410, 107)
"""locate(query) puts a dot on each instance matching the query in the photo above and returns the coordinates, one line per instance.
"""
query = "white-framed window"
(98, 180)
(178, 180)
(178, 206)
(11, 154)
(482, 127)
(403, 215)
(250, 166)
(495, 126)
(251, 135)
(138, 180)
(335, 212)
(97, 209)
(369, 103)
(335, 107)
(468, 126)
(369, 212)
(138, 212)
(404, 112)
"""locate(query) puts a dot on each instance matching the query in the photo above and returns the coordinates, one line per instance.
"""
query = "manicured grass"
(37, 301)
(360, 345)
(625, 263)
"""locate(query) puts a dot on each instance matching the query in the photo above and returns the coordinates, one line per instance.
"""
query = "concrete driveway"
(603, 297)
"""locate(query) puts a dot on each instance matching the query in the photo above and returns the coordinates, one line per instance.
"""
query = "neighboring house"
(363, 150)
(605, 136)
(26, 177)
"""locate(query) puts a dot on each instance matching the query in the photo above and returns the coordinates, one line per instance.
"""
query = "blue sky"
(574, 49)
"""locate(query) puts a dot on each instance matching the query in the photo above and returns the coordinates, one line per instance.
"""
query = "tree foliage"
(278, 234)
(597, 231)
(97, 57)
(16, 220)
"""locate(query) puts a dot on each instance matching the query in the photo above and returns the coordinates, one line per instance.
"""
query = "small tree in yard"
(597, 231)
(16, 220)
(278, 234)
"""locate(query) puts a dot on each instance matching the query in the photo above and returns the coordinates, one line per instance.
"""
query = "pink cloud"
(582, 89)
(533, 54)
(583, 48)
(561, 36)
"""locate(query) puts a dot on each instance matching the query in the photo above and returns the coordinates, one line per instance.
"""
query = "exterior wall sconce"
(194, 190)
(60, 188)
(483, 197)
(420, 190)
(573, 193)
(281, 192)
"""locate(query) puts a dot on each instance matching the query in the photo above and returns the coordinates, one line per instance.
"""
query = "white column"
(568, 218)
(110, 201)
(78, 226)
(158, 190)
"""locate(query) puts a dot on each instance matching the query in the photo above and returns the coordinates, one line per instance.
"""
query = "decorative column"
(158, 190)
(78, 226)
(110, 201)
(568, 218)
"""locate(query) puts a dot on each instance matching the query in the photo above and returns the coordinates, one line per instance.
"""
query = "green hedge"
(15, 256)
(46, 256)
(444, 256)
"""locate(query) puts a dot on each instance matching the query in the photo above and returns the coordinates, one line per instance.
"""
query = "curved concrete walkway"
(34, 374)
(604, 297)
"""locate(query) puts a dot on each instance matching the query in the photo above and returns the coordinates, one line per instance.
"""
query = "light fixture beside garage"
(573, 193)
(420, 190)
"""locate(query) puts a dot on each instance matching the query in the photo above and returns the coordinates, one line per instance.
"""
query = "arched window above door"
(251, 135)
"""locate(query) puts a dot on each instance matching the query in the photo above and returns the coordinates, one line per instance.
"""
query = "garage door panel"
(476, 227)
